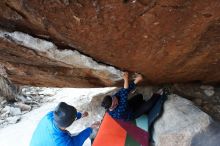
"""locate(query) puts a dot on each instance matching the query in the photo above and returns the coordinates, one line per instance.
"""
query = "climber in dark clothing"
(119, 107)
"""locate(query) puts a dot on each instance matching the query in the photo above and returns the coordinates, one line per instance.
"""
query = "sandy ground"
(20, 134)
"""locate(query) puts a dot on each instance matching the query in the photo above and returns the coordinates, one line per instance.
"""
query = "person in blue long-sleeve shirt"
(119, 107)
(51, 130)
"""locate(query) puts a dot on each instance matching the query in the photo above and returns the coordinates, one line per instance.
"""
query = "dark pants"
(139, 106)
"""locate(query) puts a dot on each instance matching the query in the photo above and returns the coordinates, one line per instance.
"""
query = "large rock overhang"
(167, 41)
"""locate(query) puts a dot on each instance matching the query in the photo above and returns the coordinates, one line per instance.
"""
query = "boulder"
(13, 120)
(210, 137)
(88, 43)
(22, 106)
(14, 111)
(208, 90)
(183, 124)
(206, 97)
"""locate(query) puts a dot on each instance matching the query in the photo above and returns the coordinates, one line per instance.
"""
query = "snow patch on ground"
(20, 134)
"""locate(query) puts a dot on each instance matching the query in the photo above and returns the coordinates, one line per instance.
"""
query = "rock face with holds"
(70, 43)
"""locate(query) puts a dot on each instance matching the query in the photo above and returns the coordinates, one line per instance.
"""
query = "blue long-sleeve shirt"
(122, 111)
(48, 134)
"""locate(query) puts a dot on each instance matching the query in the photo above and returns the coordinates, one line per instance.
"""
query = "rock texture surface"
(183, 124)
(166, 40)
(198, 94)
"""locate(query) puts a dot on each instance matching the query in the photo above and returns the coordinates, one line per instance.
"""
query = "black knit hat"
(64, 114)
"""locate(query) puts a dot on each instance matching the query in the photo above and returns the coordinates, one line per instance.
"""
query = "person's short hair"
(107, 102)
(64, 114)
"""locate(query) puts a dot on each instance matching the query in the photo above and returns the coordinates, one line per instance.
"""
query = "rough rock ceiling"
(166, 40)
